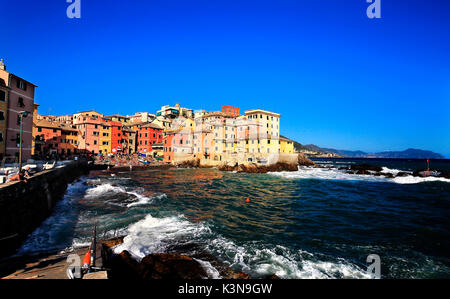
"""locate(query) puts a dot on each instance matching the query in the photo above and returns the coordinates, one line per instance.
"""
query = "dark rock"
(189, 163)
(365, 167)
(254, 168)
(273, 276)
(445, 174)
(240, 275)
(388, 175)
(171, 266)
(402, 173)
(304, 161)
(122, 266)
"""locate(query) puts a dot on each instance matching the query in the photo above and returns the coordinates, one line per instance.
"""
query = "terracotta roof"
(42, 123)
(152, 125)
(285, 138)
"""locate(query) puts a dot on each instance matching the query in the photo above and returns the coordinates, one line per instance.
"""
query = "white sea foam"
(259, 260)
(415, 180)
(107, 187)
(334, 174)
(153, 235)
(210, 270)
(102, 189)
(143, 200)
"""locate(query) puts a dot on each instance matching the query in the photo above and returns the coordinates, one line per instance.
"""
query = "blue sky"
(338, 78)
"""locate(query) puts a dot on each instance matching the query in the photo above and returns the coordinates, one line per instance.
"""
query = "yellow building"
(3, 117)
(125, 120)
(286, 145)
(263, 131)
(104, 146)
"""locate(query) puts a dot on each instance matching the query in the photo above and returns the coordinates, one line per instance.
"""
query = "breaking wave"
(156, 235)
(335, 174)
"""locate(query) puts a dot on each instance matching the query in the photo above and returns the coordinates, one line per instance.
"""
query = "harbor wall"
(24, 205)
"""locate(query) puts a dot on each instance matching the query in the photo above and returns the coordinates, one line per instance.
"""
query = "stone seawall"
(23, 206)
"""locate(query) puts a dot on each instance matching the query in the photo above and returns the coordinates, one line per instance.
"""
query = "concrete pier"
(24, 205)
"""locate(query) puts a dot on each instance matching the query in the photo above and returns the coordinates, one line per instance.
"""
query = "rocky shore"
(367, 169)
(302, 160)
(169, 265)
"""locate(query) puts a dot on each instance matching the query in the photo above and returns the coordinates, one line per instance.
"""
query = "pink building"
(21, 98)
(89, 135)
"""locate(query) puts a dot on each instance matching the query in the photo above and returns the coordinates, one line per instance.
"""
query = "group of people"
(121, 160)
(21, 176)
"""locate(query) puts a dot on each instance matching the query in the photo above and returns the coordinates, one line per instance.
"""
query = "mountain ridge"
(410, 153)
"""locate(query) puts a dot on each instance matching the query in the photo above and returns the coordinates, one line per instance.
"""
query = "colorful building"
(118, 140)
(286, 145)
(4, 91)
(141, 117)
(148, 135)
(89, 135)
(105, 138)
(20, 100)
(125, 120)
(130, 137)
(231, 111)
(80, 117)
(51, 138)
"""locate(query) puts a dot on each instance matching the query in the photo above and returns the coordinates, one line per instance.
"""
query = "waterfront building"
(54, 138)
(46, 138)
(20, 99)
(105, 138)
(69, 139)
(130, 137)
(264, 135)
(118, 140)
(148, 135)
(286, 145)
(89, 133)
(4, 91)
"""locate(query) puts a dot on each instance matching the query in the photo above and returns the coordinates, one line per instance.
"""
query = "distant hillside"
(406, 154)
(410, 153)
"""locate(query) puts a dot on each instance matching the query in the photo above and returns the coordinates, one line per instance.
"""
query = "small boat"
(143, 161)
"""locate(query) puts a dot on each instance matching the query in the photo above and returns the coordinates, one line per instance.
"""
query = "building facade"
(20, 101)
(148, 135)
(4, 91)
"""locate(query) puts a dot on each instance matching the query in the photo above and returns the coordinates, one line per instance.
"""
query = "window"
(2, 115)
(21, 84)
(20, 102)
(2, 95)
(1, 137)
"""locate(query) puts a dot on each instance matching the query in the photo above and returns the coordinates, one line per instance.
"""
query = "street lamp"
(22, 114)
